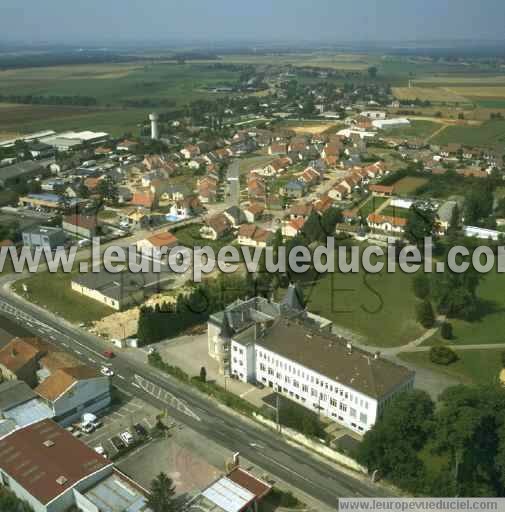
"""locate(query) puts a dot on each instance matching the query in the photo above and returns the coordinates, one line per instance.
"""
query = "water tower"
(154, 126)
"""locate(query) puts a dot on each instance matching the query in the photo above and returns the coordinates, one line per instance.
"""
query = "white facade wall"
(309, 388)
(90, 395)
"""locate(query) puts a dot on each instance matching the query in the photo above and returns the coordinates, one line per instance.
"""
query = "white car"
(100, 450)
(107, 372)
(87, 428)
(126, 437)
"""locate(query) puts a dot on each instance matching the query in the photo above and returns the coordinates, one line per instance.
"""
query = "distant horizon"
(321, 21)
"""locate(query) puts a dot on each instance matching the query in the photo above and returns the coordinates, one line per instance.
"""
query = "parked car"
(107, 372)
(109, 354)
(101, 451)
(87, 428)
(140, 430)
(117, 443)
(127, 438)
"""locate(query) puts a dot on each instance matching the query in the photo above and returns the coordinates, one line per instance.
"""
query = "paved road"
(262, 447)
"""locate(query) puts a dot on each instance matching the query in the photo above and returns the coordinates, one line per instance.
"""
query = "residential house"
(216, 227)
(254, 212)
(70, 391)
(146, 200)
(386, 223)
(84, 226)
(19, 359)
(278, 166)
(253, 236)
(294, 189)
(235, 216)
(185, 208)
(256, 188)
(207, 188)
(156, 246)
(300, 211)
(190, 151)
(322, 204)
(338, 192)
(310, 177)
(278, 148)
(293, 227)
(382, 190)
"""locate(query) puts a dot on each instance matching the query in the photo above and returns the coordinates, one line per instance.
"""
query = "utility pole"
(277, 412)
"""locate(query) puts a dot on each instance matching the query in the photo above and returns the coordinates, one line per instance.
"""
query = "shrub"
(446, 331)
(425, 314)
(443, 355)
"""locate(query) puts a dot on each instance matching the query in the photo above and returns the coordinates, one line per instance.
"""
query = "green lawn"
(380, 307)
(489, 133)
(418, 129)
(53, 292)
(189, 236)
(371, 205)
(392, 211)
(491, 327)
(472, 367)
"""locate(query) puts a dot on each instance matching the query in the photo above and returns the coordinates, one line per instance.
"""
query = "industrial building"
(53, 471)
(21, 172)
(44, 237)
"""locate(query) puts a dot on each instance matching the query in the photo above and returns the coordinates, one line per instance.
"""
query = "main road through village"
(262, 447)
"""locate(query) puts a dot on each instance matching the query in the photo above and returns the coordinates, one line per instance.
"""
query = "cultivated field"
(409, 184)
(418, 128)
(488, 134)
(433, 94)
(312, 127)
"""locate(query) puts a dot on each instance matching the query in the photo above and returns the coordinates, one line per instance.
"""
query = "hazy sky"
(262, 20)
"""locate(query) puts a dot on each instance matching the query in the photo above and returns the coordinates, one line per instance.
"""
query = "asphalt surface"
(262, 447)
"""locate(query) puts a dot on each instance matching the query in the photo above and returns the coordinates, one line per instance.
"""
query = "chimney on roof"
(377, 355)
(48, 443)
(62, 480)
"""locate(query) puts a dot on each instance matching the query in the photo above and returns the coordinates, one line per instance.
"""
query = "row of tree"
(465, 435)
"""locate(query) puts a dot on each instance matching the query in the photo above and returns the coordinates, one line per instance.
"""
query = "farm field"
(418, 128)
(360, 302)
(311, 127)
(488, 134)
(409, 184)
(28, 118)
(473, 366)
(112, 85)
(433, 94)
(343, 61)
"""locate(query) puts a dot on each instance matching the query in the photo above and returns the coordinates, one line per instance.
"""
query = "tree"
(372, 72)
(446, 331)
(203, 374)
(455, 294)
(420, 224)
(425, 314)
(161, 498)
(392, 445)
(329, 220)
(313, 229)
(443, 355)
(421, 285)
(478, 204)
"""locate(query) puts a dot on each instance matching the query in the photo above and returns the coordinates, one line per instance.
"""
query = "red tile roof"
(47, 461)
(163, 240)
(383, 219)
(248, 481)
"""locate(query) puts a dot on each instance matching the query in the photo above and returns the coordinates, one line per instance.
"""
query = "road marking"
(91, 359)
(120, 376)
(247, 392)
(77, 352)
(169, 399)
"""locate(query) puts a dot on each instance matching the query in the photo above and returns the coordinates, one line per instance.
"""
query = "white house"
(325, 374)
(72, 391)
(386, 223)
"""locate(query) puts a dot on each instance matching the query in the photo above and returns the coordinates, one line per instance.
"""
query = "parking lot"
(118, 420)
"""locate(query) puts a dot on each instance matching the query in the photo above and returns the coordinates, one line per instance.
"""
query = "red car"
(109, 354)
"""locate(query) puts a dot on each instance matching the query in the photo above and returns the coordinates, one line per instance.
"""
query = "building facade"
(321, 372)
